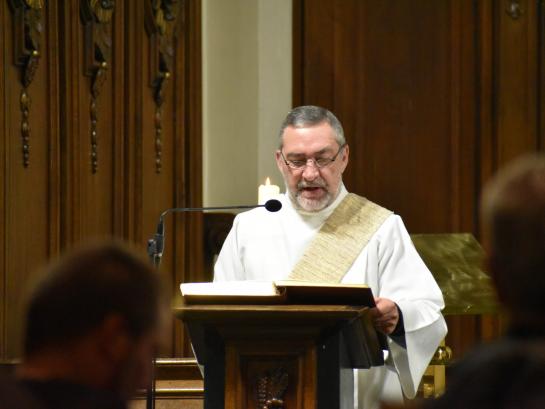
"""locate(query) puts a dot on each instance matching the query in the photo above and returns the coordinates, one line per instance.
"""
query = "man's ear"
(279, 161)
(113, 338)
(344, 157)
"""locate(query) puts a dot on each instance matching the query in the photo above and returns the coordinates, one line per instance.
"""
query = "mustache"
(319, 183)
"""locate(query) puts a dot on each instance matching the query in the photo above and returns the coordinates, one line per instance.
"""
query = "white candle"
(267, 191)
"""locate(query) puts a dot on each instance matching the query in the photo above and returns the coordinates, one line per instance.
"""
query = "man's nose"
(311, 171)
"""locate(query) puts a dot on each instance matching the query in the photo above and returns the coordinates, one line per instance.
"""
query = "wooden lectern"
(281, 356)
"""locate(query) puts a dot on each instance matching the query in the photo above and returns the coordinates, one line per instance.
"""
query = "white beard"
(311, 205)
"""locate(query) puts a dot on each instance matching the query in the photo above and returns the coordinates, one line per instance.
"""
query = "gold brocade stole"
(340, 240)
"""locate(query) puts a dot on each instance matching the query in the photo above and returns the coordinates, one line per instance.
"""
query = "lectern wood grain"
(255, 353)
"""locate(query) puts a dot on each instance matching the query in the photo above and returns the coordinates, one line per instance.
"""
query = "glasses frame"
(291, 165)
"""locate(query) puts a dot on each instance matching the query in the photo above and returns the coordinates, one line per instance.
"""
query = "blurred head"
(104, 302)
(513, 210)
(312, 157)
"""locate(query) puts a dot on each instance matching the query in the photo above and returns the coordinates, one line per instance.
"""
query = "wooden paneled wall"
(434, 97)
(100, 132)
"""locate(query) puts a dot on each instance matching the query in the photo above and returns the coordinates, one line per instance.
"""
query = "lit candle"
(267, 191)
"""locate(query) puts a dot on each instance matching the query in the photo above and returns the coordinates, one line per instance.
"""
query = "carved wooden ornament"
(28, 27)
(96, 16)
(271, 388)
(161, 17)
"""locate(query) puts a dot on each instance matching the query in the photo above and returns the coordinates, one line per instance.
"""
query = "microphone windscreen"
(273, 205)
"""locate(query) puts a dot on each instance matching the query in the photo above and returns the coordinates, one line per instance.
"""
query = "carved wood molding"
(96, 16)
(271, 388)
(27, 33)
(161, 17)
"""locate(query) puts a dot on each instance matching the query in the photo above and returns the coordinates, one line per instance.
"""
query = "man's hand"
(385, 315)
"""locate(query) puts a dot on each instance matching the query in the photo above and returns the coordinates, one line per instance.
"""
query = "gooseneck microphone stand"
(155, 259)
(155, 254)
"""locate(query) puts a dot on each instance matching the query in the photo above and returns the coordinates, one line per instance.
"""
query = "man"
(92, 327)
(323, 233)
(510, 372)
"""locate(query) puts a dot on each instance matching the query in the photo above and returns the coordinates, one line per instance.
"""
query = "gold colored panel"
(455, 261)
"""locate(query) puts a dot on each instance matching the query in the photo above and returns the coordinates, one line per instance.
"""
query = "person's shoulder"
(260, 214)
(251, 216)
(364, 199)
(388, 213)
(502, 352)
(392, 223)
(65, 394)
(15, 395)
(391, 231)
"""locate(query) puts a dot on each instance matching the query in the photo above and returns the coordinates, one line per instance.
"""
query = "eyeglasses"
(318, 162)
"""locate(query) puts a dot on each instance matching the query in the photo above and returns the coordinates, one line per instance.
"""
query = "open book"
(276, 292)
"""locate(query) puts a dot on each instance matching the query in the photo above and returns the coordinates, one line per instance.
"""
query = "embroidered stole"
(340, 240)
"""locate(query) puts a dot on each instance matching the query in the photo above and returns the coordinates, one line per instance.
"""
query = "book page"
(238, 288)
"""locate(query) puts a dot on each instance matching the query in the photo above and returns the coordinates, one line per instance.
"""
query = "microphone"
(156, 247)
(156, 244)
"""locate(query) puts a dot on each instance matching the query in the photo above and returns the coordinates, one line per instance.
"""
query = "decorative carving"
(514, 9)
(161, 19)
(271, 388)
(96, 16)
(27, 26)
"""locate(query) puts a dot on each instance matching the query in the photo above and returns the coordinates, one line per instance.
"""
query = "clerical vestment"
(265, 246)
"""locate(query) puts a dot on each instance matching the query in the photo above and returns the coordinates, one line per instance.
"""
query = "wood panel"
(434, 97)
(31, 185)
(509, 66)
(3, 129)
(395, 73)
(511, 103)
(516, 76)
(107, 155)
(541, 74)
(190, 259)
(158, 184)
(178, 119)
(92, 58)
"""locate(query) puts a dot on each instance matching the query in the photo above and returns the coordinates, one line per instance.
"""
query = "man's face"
(135, 366)
(135, 371)
(312, 188)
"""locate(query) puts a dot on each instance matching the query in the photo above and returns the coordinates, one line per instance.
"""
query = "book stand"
(281, 356)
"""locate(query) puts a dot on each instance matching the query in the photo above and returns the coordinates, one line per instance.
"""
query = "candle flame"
(267, 182)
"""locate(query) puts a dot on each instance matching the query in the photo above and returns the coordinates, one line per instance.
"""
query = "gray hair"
(310, 115)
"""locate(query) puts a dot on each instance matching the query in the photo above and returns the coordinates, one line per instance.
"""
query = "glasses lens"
(318, 162)
(321, 162)
(296, 164)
